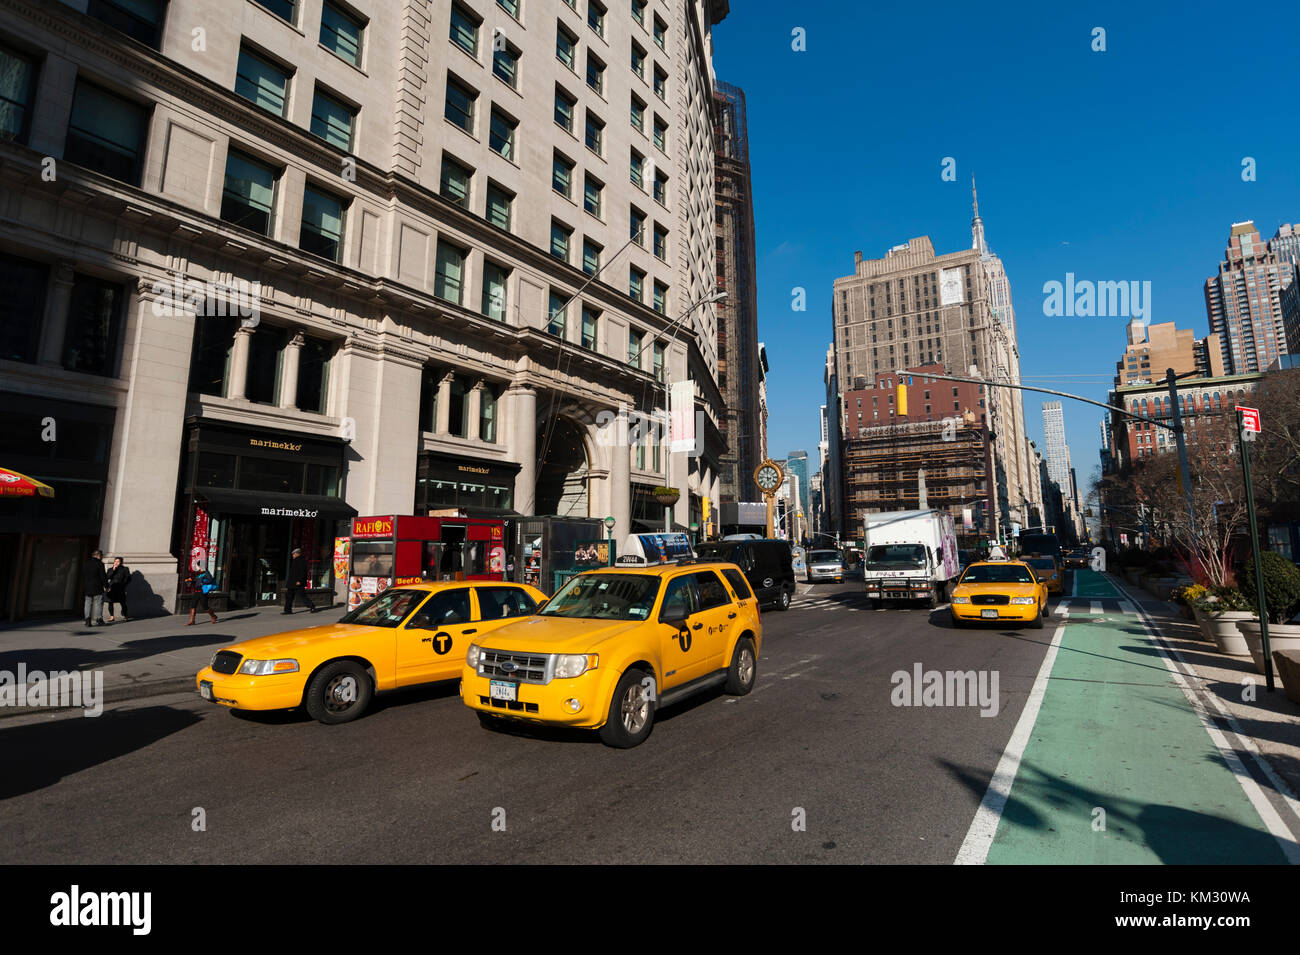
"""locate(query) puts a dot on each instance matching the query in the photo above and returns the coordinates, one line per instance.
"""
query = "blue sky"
(1119, 165)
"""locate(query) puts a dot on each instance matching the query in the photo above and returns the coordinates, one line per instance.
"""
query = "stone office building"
(267, 264)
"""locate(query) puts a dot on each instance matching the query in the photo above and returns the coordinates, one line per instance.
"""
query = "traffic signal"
(902, 399)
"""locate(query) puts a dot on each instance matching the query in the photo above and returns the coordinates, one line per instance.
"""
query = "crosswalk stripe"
(1094, 607)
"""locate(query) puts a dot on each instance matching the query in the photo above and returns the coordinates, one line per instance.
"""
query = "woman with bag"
(118, 578)
(202, 584)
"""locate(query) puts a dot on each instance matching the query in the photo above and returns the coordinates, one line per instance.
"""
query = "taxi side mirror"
(676, 614)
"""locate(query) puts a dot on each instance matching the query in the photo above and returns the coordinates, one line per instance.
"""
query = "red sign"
(1249, 418)
(372, 527)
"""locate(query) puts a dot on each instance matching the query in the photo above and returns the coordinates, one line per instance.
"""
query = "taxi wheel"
(1037, 622)
(631, 712)
(339, 692)
(743, 671)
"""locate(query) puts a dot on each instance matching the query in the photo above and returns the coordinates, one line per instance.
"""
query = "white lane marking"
(979, 838)
(1063, 608)
(1126, 607)
(1094, 607)
(1202, 703)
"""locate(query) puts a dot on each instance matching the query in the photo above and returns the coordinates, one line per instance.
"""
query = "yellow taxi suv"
(403, 637)
(999, 590)
(1047, 570)
(614, 645)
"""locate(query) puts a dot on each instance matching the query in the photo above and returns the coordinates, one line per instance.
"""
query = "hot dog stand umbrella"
(394, 550)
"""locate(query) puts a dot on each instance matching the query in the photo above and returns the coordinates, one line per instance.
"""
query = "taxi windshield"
(997, 574)
(605, 597)
(387, 610)
(1042, 563)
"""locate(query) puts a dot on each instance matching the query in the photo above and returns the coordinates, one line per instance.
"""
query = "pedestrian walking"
(118, 577)
(202, 584)
(297, 582)
(94, 584)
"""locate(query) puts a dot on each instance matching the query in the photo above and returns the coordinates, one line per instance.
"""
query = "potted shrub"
(1218, 614)
(1281, 603)
(666, 496)
(1186, 597)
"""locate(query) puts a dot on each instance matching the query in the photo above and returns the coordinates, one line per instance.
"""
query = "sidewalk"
(1143, 750)
(146, 657)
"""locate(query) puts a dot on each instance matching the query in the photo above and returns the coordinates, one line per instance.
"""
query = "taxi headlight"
(1024, 600)
(267, 667)
(961, 600)
(570, 665)
(472, 655)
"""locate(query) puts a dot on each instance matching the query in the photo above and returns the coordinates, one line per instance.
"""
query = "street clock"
(768, 477)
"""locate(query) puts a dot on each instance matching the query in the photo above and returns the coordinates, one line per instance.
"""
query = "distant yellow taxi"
(614, 645)
(999, 590)
(1048, 571)
(402, 637)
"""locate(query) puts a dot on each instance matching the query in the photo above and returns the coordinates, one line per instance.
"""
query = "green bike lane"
(1118, 767)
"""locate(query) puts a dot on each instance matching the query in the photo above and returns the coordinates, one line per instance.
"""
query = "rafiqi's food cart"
(394, 550)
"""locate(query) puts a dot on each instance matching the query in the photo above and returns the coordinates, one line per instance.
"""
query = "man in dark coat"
(297, 582)
(94, 584)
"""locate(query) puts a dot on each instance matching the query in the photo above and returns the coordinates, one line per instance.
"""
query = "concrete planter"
(1288, 669)
(1283, 637)
(1162, 587)
(1220, 628)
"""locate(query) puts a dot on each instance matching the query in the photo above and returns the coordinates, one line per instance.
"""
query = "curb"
(134, 691)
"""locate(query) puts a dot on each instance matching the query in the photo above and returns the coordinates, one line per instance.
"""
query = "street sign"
(1249, 419)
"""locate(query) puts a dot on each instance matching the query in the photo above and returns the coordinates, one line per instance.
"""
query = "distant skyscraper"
(1243, 301)
(797, 463)
(1058, 453)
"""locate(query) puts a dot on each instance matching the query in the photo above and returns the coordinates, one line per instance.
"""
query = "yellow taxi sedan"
(402, 637)
(1048, 571)
(999, 590)
(614, 645)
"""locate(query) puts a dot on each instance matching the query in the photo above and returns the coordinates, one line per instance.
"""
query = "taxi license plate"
(500, 690)
(988, 613)
(205, 689)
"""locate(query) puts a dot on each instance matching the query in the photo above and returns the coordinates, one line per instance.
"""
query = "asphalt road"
(816, 765)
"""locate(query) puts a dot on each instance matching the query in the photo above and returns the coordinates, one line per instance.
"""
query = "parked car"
(616, 644)
(768, 565)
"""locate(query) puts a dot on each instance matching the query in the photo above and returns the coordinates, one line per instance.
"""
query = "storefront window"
(264, 351)
(372, 559)
(322, 480)
(268, 474)
(54, 576)
(215, 470)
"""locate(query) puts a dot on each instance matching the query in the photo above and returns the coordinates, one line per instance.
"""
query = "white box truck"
(910, 555)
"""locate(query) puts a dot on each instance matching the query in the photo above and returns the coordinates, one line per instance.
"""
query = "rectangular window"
(510, 6)
(595, 73)
(637, 231)
(659, 361)
(94, 323)
(262, 82)
(595, 134)
(499, 203)
(487, 415)
(449, 278)
(566, 47)
(589, 319)
(341, 33)
(636, 283)
(322, 224)
(214, 335)
(248, 196)
(505, 64)
(501, 137)
(494, 291)
(313, 379)
(17, 81)
(562, 176)
(460, 105)
(638, 61)
(464, 30)
(262, 386)
(333, 120)
(634, 348)
(106, 133)
(661, 134)
(636, 168)
(638, 115)
(661, 243)
(22, 306)
(661, 84)
(661, 187)
(661, 32)
(661, 298)
(592, 192)
(638, 11)
(564, 104)
(140, 19)
(557, 312)
(281, 8)
(454, 183)
(596, 17)
(561, 240)
(590, 257)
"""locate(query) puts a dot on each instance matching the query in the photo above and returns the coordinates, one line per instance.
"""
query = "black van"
(768, 566)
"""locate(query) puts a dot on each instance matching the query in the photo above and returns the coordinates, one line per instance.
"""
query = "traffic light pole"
(1245, 442)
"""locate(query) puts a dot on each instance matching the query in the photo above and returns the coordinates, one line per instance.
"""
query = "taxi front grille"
(514, 705)
(523, 667)
(226, 662)
(990, 599)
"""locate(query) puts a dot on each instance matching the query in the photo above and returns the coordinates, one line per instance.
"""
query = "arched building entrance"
(563, 479)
